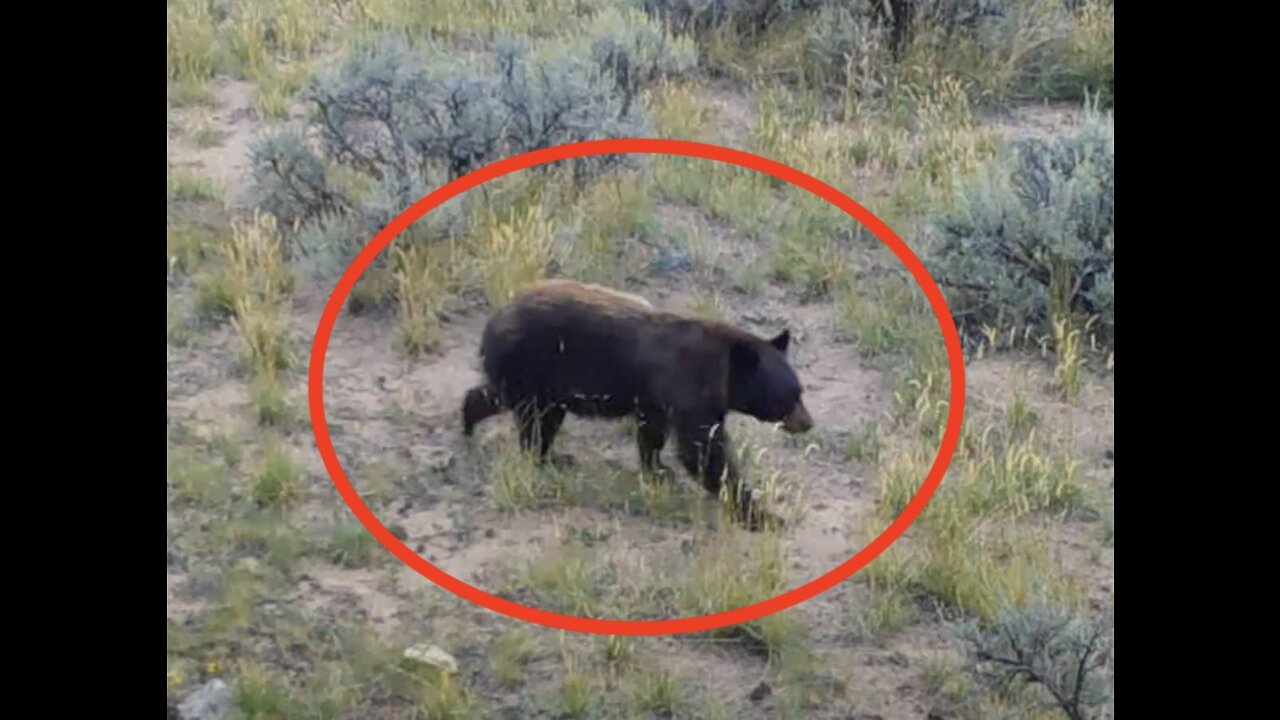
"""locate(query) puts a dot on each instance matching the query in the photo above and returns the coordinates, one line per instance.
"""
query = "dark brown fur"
(565, 347)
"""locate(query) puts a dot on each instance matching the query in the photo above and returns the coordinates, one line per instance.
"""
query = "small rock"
(211, 701)
(490, 533)
(432, 655)
(761, 692)
(398, 531)
(1086, 514)
(434, 458)
(672, 261)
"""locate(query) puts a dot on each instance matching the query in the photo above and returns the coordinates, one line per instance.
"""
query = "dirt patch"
(236, 123)
(1089, 422)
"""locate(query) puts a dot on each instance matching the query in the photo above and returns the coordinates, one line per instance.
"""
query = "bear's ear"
(782, 341)
(743, 357)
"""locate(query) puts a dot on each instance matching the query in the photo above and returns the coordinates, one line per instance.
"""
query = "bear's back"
(572, 291)
(566, 309)
(585, 346)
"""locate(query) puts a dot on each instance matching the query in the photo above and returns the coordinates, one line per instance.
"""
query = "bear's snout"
(798, 420)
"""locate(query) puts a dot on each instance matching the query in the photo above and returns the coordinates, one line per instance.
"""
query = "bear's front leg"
(651, 437)
(705, 453)
(480, 403)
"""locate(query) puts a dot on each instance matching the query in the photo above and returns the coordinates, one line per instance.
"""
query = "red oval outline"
(706, 151)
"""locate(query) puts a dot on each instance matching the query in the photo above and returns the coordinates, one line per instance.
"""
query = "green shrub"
(291, 181)
(1045, 646)
(843, 48)
(395, 122)
(1035, 242)
(699, 16)
(635, 51)
(1088, 54)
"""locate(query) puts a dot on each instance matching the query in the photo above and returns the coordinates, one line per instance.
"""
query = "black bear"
(567, 347)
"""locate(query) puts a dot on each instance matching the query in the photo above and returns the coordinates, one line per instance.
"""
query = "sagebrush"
(1034, 239)
(1046, 646)
(395, 121)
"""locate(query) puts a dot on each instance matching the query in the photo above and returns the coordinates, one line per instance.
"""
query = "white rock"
(432, 655)
(210, 702)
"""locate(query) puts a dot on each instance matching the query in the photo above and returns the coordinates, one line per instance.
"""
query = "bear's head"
(763, 385)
